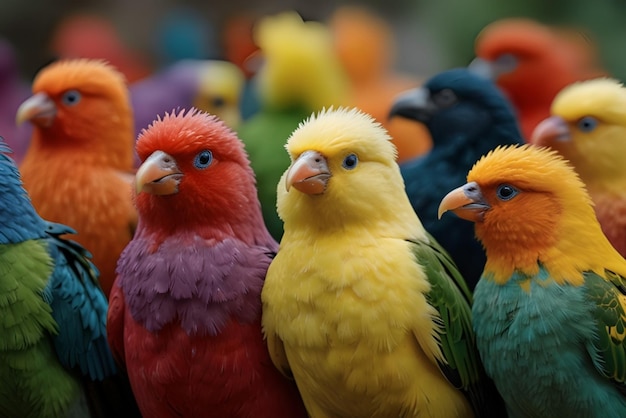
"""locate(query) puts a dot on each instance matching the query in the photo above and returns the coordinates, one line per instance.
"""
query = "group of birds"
(300, 262)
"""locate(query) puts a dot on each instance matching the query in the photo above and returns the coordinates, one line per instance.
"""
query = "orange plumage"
(366, 48)
(78, 167)
(541, 60)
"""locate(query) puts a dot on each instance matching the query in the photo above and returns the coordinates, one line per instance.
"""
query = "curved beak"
(492, 70)
(414, 104)
(158, 175)
(309, 173)
(467, 202)
(39, 109)
(550, 130)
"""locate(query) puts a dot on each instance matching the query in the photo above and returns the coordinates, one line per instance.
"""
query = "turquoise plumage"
(52, 311)
(549, 310)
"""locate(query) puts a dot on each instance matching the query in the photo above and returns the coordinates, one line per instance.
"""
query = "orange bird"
(532, 62)
(78, 168)
(365, 45)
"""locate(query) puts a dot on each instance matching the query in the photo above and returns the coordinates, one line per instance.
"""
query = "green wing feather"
(608, 350)
(452, 298)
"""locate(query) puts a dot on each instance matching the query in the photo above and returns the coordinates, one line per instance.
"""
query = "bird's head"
(458, 106)
(76, 101)
(530, 207)
(342, 174)
(195, 175)
(588, 127)
(299, 64)
(531, 61)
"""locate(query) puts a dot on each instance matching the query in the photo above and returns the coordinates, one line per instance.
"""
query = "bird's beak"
(467, 202)
(550, 130)
(309, 173)
(39, 109)
(414, 104)
(158, 175)
(492, 70)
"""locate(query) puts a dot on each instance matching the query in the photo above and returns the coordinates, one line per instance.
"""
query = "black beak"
(414, 104)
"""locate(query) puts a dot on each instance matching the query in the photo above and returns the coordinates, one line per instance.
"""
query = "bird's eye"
(350, 161)
(71, 97)
(203, 159)
(445, 98)
(506, 192)
(587, 124)
(218, 101)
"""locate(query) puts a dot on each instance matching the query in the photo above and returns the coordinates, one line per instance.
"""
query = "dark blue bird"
(467, 116)
(54, 355)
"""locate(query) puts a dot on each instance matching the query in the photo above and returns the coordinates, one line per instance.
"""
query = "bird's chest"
(532, 343)
(172, 371)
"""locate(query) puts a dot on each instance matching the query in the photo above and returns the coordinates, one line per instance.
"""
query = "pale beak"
(39, 109)
(549, 131)
(158, 175)
(309, 173)
(467, 202)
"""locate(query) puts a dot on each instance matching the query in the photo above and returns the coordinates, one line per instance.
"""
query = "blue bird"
(54, 355)
(467, 116)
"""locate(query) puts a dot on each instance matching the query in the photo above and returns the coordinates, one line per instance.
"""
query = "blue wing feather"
(79, 307)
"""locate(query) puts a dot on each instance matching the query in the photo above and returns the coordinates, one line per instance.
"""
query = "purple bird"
(13, 91)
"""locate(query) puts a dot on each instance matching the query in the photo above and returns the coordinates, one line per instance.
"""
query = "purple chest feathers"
(202, 285)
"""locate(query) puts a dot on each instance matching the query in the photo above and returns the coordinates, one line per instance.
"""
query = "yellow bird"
(361, 306)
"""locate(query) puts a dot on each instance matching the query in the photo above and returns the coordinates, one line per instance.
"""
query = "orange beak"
(550, 130)
(467, 202)
(158, 175)
(309, 173)
(39, 109)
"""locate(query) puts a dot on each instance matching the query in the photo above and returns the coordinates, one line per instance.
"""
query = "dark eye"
(506, 192)
(71, 97)
(218, 101)
(587, 124)
(350, 161)
(203, 159)
(445, 98)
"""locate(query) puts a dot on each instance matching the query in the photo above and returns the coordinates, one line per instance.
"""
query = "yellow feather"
(345, 294)
(556, 231)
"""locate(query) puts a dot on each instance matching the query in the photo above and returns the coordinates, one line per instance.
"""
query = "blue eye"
(506, 192)
(587, 124)
(350, 161)
(71, 97)
(203, 159)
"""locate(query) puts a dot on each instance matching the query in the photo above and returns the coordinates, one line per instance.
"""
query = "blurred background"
(147, 34)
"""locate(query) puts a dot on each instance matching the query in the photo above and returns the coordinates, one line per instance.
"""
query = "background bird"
(52, 313)
(300, 74)
(361, 305)
(213, 86)
(185, 313)
(366, 46)
(467, 116)
(79, 164)
(531, 62)
(549, 309)
(14, 89)
(588, 127)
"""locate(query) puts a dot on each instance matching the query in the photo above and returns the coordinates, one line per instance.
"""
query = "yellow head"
(531, 207)
(300, 65)
(343, 175)
(588, 127)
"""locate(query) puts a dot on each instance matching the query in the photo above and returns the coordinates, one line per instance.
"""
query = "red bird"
(185, 312)
(78, 167)
(532, 62)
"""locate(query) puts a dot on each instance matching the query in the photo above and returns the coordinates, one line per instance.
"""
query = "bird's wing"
(608, 349)
(452, 299)
(79, 306)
